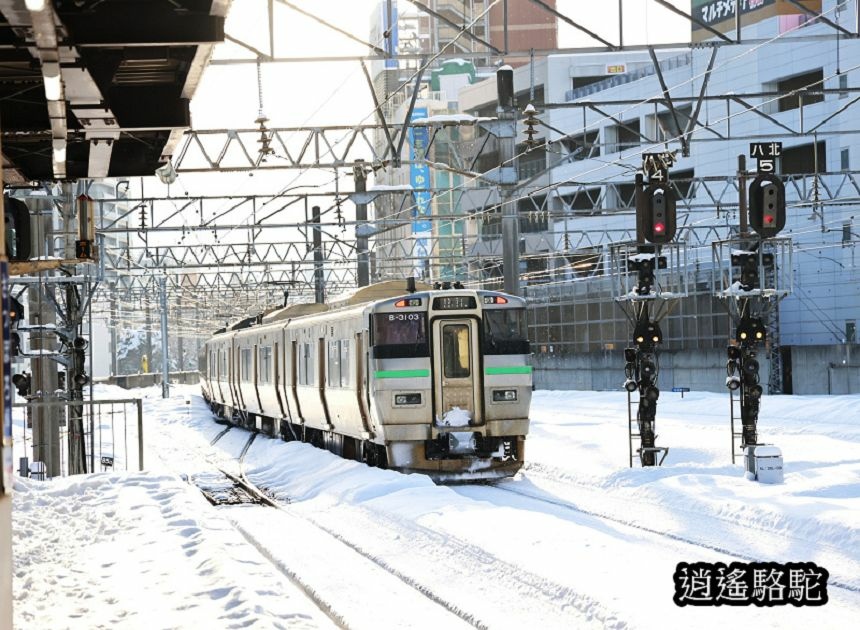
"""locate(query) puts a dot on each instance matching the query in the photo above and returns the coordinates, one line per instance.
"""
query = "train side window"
(344, 363)
(455, 350)
(266, 364)
(334, 364)
(245, 365)
(303, 365)
(306, 365)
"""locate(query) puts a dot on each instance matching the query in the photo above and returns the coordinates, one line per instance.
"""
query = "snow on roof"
(450, 119)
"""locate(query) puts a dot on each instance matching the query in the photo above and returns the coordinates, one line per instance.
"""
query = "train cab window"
(505, 331)
(399, 335)
(265, 364)
(245, 365)
(223, 372)
(455, 350)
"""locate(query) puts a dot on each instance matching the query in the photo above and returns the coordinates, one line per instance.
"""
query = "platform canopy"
(99, 88)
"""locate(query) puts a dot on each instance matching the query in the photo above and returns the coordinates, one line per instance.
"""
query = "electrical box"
(763, 463)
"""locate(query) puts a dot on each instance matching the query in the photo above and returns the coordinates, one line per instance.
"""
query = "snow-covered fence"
(112, 434)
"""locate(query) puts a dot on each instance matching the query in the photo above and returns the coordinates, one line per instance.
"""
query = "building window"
(801, 160)
(665, 128)
(845, 159)
(582, 146)
(682, 181)
(843, 85)
(623, 138)
(808, 81)
(846, 234)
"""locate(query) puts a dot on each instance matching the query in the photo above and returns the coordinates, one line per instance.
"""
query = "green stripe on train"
(514, 369)
(402, 373)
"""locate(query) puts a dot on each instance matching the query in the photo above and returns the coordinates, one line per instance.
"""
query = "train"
(414, 378)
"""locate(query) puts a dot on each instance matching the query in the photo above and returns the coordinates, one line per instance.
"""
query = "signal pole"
(507, 114)
(655, 224)
(749, 268)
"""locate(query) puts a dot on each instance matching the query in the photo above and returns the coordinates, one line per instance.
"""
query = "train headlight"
(407, 399)
(504, 395)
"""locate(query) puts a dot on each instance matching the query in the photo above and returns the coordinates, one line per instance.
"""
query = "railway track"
(507, 486)
(225, 489)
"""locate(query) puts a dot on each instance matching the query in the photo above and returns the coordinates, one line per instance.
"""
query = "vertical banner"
(6, 437)
(419, 179)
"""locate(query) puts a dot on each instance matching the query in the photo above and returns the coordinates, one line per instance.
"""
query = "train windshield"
(400, 335)
(505, 331)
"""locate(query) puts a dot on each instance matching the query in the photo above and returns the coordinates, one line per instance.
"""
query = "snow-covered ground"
(577, 539)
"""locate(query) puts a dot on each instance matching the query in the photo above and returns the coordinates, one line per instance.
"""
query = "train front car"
(451, 383)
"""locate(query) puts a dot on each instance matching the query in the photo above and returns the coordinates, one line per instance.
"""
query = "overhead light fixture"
(35, 5)
(166, 173)
(53, 82)
(59, 150)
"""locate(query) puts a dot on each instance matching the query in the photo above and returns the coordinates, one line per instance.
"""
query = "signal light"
(733, 382)
(767, 205)
(649, 370)
(652, 393)
(17, 229)
(630, 385)
(659, 214)
(647, 333)
(22, 383)
(630, 355)
(750, 330)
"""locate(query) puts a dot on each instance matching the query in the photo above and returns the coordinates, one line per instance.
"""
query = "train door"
(278, 383)
(322, 366)
(294, 379)
(456, 368)
(361, 380)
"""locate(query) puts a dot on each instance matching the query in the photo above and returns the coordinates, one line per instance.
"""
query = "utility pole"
(180, 349)
(165, 370)
(508, 178)
(363, 271)
(319, 275)
(45, 376)
(148, 334)
(113, 324)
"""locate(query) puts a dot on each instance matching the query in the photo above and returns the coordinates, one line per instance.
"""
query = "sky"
(336, 93)
(576, 540)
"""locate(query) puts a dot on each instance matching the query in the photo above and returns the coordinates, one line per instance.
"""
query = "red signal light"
(659, 228)
(769, 219)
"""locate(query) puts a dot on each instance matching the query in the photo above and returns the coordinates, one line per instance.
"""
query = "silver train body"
(434, 381)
